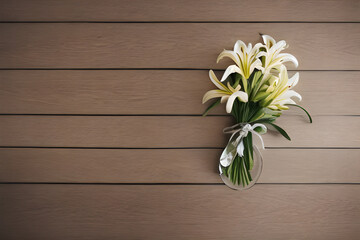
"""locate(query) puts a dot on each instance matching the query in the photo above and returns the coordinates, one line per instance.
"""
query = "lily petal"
(287, 101)
(239, 47)
(240, 94)
(283, 76)
(279, 46)
(230, 87)
(286, 57)
(257, 64)
(229, 54)
(257, 47)
(261, 54)
(229, 70)
(240, 149)
(268, 41)
(293, 80)
(215, 81)
(291, 93)
(213, 94)
(224, 98)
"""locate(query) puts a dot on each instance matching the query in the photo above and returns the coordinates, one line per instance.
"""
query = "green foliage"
(217, 102)
(250, 112)
(307, 113)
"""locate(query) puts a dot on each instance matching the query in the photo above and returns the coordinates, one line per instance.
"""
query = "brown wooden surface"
(173, 10)
(179, 212)
(132, 176)
(156, 92)
(172, 165)
(318, 46)
(168, 132)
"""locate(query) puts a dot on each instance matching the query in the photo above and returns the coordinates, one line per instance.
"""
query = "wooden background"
(101, 134)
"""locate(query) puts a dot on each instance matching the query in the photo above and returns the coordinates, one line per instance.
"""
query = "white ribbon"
(235, 147)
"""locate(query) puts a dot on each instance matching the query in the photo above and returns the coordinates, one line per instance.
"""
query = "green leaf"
(217, 102)
(265, 120)
(245, 84)
(248, 154)
(237, 80)
(280, 130)
(255, 79)
(258, 115)
(260, 96)
(308, 114)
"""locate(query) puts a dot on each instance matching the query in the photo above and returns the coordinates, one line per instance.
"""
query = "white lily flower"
(281, 92)
(227, 93)
(245, 59)
(273, 58)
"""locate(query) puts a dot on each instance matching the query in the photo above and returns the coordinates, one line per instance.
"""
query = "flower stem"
(239, 170)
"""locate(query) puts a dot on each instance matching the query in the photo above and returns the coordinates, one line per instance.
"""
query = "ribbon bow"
(235, 146)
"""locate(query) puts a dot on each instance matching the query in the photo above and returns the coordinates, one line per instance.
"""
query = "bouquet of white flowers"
(256, 89)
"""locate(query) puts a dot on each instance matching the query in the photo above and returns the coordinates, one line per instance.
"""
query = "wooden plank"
(165, 132)
(114, 92)
(186, 10)
(318, 46)
(172, 165)
(179, 212)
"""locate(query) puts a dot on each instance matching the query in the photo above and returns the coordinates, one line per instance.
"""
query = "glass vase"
(255, 173)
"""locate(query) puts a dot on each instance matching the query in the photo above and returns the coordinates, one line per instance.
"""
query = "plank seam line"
(159, 22)
(154, 115)
(154, 184)
(163, 69)
(164, 148)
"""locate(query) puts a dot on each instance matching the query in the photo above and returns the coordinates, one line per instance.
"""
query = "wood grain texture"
(129, 150)
(156, 92)
(318, 46)
(172, 10)
(172, 165)
(328, 212)
(165, 132)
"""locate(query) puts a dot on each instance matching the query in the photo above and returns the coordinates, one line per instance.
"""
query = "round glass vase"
(255, 172)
